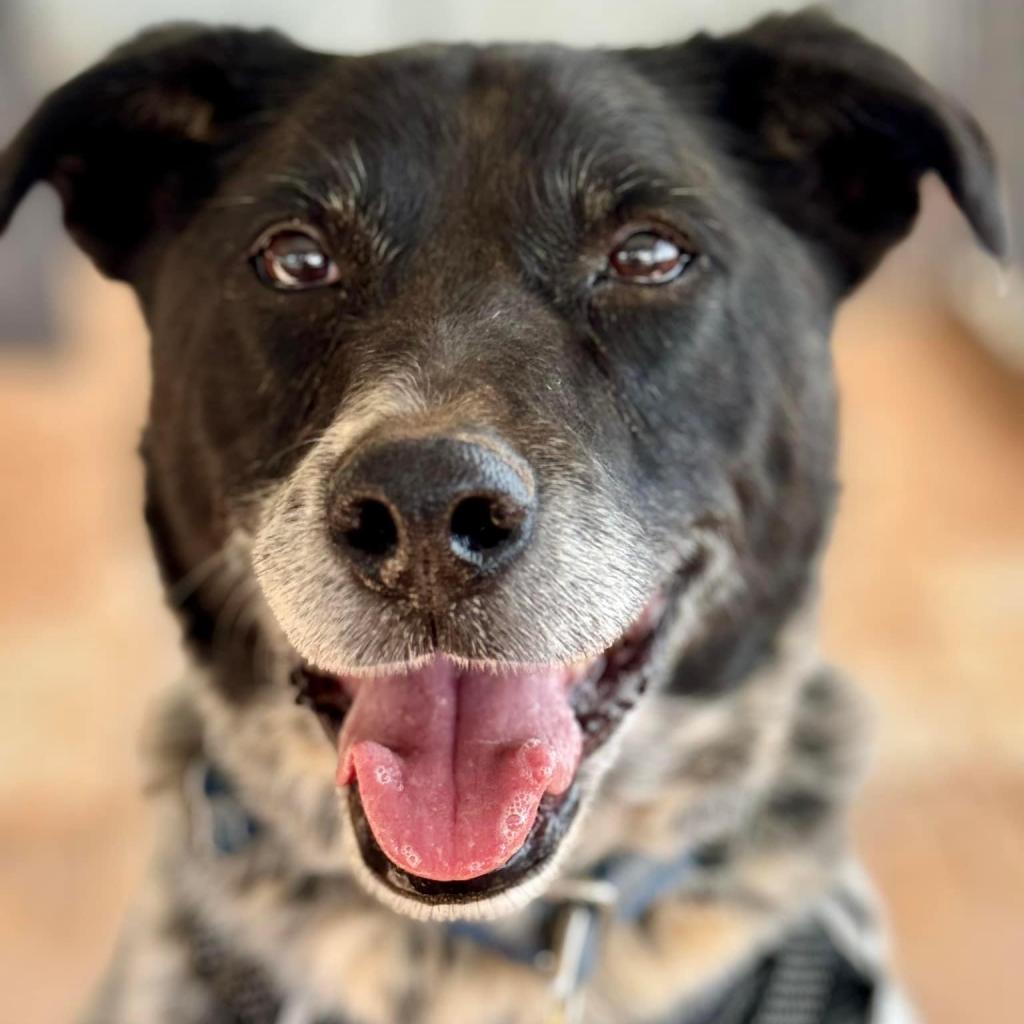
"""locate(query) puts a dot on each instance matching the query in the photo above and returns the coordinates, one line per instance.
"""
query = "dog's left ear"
(135, 142)
(834, 132)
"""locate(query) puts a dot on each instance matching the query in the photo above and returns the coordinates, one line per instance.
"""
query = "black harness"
(804, 979)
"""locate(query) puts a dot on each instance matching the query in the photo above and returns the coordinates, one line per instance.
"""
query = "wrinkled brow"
(593, 186)
(334, 179)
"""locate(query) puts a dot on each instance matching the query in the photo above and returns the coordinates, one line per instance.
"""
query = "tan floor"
(924, 603)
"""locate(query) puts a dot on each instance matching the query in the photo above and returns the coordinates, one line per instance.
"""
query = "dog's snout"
(431, 517)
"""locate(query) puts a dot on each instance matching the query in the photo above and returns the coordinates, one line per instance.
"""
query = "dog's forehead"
(491, 117)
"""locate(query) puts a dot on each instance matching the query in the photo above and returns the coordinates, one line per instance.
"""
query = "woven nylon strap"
(805, 981)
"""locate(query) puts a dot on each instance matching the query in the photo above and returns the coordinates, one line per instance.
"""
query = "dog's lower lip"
(551, 825)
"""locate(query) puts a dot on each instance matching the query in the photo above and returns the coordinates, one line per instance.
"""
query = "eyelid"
(687, 212)
(637, 223)
(296, 224)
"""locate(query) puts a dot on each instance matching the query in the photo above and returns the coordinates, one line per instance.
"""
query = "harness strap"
(806, 980)
(802, 986)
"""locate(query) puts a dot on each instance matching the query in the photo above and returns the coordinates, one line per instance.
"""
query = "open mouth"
(462, 780)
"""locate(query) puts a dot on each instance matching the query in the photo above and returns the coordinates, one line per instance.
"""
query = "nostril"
(481, 525)
(370, 528)
(430, 517)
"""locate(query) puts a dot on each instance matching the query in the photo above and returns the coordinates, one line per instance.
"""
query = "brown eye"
(648, 257)
(292, 259)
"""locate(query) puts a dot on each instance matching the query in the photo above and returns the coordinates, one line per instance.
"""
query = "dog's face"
(505, 370)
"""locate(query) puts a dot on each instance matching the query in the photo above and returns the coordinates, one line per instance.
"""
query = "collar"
(219, 822)
(619, 889)
(564, 938)
(807, 979)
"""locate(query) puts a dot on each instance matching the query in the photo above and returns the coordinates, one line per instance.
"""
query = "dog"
(492, 434)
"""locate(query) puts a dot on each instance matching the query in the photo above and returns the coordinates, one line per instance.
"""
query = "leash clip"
(588, 904)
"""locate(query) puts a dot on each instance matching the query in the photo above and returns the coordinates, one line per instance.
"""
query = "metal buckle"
(587, 906)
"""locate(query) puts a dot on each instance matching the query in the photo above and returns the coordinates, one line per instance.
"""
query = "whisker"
(684, 191)
(302, 187)
(239, 200)
(199, 574)
(232, 609)
(308, 442)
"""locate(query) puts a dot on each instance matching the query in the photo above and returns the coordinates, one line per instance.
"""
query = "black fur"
(802, 146)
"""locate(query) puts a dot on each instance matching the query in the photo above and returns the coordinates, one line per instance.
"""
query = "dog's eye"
(292, 259)
(648, 256)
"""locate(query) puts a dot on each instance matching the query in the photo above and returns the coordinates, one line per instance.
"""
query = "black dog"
(493, 417)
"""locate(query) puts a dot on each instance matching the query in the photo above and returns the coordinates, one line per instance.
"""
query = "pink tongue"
(451, 764)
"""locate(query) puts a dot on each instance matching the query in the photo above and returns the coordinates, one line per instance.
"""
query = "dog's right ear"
(134, 143)
(833, 132)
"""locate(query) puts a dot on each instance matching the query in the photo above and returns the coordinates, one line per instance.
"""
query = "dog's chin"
(601, 692)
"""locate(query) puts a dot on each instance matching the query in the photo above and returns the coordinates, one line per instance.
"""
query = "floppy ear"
(135, 142)
(836, 133)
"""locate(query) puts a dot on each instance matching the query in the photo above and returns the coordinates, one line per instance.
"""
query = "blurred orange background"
(923, 604)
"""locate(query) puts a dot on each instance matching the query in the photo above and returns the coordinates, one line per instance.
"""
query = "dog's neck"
(759, 780)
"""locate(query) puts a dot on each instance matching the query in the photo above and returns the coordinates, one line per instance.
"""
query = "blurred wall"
(65, 34)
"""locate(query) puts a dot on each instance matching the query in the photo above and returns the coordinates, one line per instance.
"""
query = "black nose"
(432, 517)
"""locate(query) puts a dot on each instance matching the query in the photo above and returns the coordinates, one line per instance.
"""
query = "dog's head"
(500, 376)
